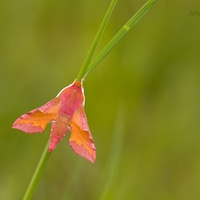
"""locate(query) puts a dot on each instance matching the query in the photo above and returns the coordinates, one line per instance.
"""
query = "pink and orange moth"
(66, 113)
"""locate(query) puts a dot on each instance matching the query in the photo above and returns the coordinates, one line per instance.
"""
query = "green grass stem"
(96, 40)
(114, 157)
(120, 34)
(37, 174)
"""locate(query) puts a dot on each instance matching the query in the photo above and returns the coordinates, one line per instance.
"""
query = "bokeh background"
(142, 101)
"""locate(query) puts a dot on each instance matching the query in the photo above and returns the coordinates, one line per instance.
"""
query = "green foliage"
(154, 71)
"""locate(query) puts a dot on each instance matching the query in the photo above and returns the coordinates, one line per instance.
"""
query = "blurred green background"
(142, 101)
